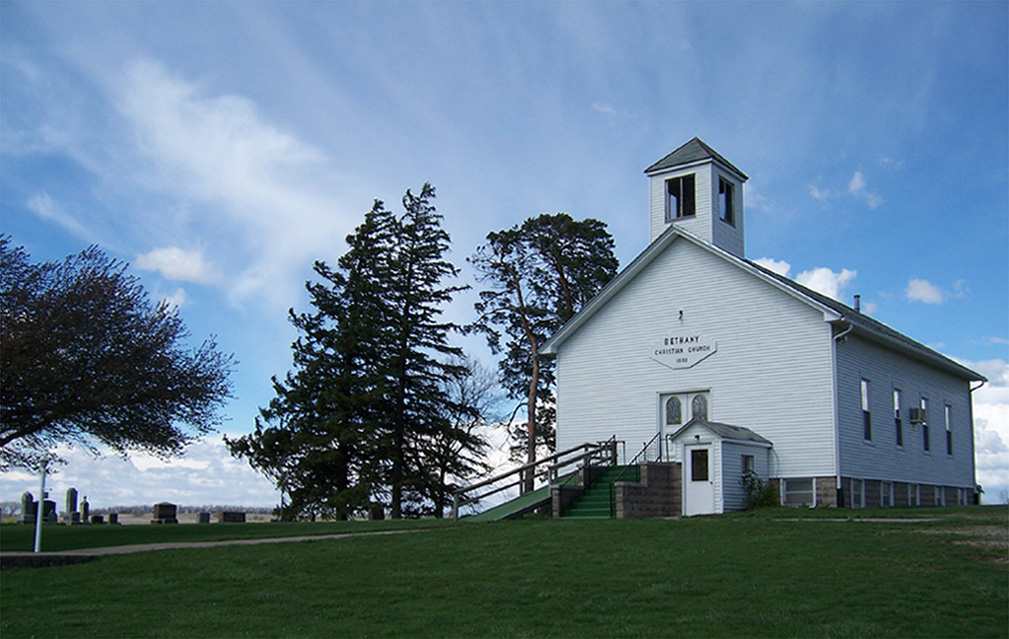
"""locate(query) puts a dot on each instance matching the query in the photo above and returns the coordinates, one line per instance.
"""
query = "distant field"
(772, 574)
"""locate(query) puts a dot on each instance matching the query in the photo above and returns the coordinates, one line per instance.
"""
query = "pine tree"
(538, 275)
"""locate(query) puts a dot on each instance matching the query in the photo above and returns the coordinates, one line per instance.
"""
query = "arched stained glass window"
(674, 411)
(699, 407)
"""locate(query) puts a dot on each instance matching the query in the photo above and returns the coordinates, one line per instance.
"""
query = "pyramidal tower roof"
(692, 152)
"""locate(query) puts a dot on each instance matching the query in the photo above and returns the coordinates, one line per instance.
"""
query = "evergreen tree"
(366, 399)
(538, 275)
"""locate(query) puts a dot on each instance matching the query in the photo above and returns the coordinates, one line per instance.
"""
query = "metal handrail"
(643, 451)
(590, 451)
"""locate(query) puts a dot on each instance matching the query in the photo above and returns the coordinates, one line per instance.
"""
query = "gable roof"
(694, 151)
(725, 431)
(834, 311)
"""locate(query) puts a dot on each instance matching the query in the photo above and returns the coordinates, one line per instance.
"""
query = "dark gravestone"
(85, 510)
(165, 513)
(231, 517)
(75, 518)
(204, 518)
(376, 512)
(49, 514)
(28, 508)
(97, 519)
(113, 519)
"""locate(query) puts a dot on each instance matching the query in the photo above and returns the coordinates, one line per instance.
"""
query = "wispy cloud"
(857, 187)
(604, 108)
(266, 187)
(924, 291)
(46, 208)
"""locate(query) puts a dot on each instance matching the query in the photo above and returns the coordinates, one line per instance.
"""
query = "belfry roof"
(692, 152)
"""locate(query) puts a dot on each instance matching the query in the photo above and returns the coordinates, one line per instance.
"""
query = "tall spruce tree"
(419, 362)
(366, 394)
(538, 275)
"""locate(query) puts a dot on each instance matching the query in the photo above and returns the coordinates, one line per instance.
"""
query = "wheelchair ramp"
(516, 507)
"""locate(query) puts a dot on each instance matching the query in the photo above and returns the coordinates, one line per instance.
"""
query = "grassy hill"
(772, 574)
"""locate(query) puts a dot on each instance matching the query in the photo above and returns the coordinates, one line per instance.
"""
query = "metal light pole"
(41, 509)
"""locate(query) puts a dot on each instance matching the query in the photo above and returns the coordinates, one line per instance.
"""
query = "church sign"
(683, 350)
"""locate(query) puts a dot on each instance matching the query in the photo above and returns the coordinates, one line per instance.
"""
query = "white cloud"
(178, 299)
(778, 266)
(604, 108)
(891, 164)
(857, 187)
(262, 192)
(176, 264)
(991, 427)
(823, 280)
(869, 307)
(924, 291)
(44, 207)
(819, 194)
(206, 475)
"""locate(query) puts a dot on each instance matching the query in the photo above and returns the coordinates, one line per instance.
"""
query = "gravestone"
(75, 518)
(85, 510)
(49, 514)
(231, 517)
(165, 513)
(97, 519)
(72, 506)
(113, 519)
(204, 518)
(28, 508)
(376, 512)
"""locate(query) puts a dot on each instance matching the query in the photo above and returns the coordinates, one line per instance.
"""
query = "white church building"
(726, 366)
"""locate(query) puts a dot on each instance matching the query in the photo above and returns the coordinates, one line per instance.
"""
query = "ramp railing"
(548, 469)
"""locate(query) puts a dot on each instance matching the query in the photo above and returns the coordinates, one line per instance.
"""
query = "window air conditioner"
(917, 415)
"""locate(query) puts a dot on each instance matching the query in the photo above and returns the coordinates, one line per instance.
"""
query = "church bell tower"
(699, 191)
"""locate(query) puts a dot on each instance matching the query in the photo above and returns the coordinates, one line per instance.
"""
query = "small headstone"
(165, 513)
(204, 518)
(28, 508)
(113, 519)
(376, 512)
(49, 513)
(97, 519)
(231, 517)
(75, 518)
(85, 510)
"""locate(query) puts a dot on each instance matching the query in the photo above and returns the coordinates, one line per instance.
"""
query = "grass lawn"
(736, 575)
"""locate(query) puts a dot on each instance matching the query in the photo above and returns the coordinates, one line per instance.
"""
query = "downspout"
(839, 338)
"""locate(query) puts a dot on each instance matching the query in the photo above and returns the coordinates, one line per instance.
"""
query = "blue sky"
(220, 148)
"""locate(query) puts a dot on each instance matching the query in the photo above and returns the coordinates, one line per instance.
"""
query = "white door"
(698, 481)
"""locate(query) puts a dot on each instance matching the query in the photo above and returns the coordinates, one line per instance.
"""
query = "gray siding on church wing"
(881, 458)
(772, 372)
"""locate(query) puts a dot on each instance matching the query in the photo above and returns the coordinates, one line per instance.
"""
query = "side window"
(866, 415)
(949, 431)
(680, 197)
(674, 412)
(898, 424)
(748, 466)
(925, 442)
(725, 201)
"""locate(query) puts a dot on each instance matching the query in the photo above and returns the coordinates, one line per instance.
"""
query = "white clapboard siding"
(881, 458)
(772, 372)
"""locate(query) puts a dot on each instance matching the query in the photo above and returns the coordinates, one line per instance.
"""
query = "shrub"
(759, 493)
